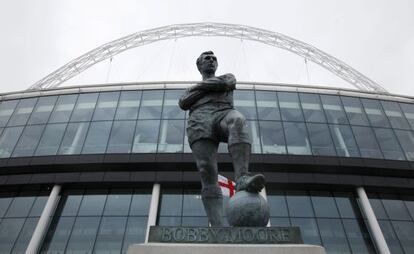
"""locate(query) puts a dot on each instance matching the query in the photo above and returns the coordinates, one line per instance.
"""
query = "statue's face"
(208, 64)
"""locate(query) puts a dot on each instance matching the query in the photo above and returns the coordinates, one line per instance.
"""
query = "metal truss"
(145, 37)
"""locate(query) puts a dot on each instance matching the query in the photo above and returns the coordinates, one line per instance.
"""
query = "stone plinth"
(178, 248)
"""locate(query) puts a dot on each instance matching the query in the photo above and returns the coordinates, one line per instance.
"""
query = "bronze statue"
(212, 120)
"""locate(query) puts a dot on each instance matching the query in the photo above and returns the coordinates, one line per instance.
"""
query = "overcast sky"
(376, 37)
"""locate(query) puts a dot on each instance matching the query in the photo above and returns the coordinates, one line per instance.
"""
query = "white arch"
(274, 39)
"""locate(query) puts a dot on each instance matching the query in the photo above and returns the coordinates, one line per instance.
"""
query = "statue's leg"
(234, 125)
(205, 154)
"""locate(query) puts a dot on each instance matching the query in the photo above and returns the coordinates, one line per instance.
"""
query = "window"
(151, 105)
(73, 139)
(408, 110)
(22, 112)
(267, 105)
(42, 110)
(320, 139)
(97, 137)
(272, 137)
(297, 139)
(63, 108)
(389, 144)
(394, 114)
(8, 140)
(84, 107)
(244, 102)
(6, 110)
(171, 109)
(146, 136)
(253, 130)
(344, 141)
(128, 105)
(106, 106)
(355, 111)
(406, 139)
(28, 141)
(290, 107)
(312, 108)
(171, 136)
(333, 109)
(121, 138)
(367, 143)
(51, 138)
(375, 113)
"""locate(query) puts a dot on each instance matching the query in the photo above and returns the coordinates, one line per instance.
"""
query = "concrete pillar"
(43, 224)
(373, 225)
(153, 210)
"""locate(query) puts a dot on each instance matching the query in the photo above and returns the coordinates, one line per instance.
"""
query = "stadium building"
(87, 169)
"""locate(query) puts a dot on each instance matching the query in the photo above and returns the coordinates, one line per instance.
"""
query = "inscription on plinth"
(227, 235)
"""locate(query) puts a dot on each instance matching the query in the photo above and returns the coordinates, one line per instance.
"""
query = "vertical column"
(373, 225)
(153, 210)
(43, 224)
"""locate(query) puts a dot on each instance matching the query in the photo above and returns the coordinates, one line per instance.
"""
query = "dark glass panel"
(171, 136)
(6, 110)
(135, 232)
(347, 205)
(333, 109)
(9, 231)
(58, 236)
(42, 110)
(389, 144)
(375, 113)
(25, 235)
(73, 139)
(272, 137)
(83, 235)
(279, 222)
(244, 102)
(377, 206)
(146, 136)
(299, 204)
(367, 142)
(28, 141)
(408, 201)
(171, 203)
(110, 235)
(20, 206)
(151, 105)
(195, 221)
(92, 203)
(297, 139)
(140, 203)
(253, 129)
(118, 202)
(63, 108)
(97, 138)
(389, 235)
(22, 112)
(267, 105)
(290, 106)
(106, 106)
(5, 200)
(324, 204)
(406, 139)
(333, 236)
(39, 205)
(358, 237)
(408, 110)
(70, 202)
(169, 221)
(354, 111)
(128, 105)
(84, 107)
(344, 141)
(405, 233)
(395, 115)
(312, 108)
(308, 229)
(192, 203)
(277, 204)
(171, 109)
(395, 207)
(51, 138)
(122, 135)
(320, 139)
(8, 140)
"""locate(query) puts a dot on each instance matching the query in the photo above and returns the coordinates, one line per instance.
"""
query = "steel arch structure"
(145, 37)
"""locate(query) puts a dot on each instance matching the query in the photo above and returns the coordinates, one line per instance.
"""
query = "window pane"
(389, 144)
(394, 114)
(171, 203)
(151, 105)
(333, 236)
(333, 109)
(354, 111)
(63, 108)
(192, 203)
(267, 105)
(110, 235)
(39, 205)
(290, 107)
(299, 204)
(405, 233)
(395, 207)
(277, 204)
(367, 143)
(297, 139)
(9, 231)
(106, 106)
(390, 237)
(28, 141)
(83, 235)
(128, 105)
(5, 200)
(84, 107)
(140, 203)
(347, 205)
(74, 137)
(51, 138)
(320, 139)
(42, 110)
(324, 204)
(22, 112)
(358, 236)
(344, 141)
(97, 138)
(253, 130)
(20, 206)
(25, 235)
(146, 136)
(195, 221)
(375, 113)
(409, 203)
(377, 206)
(58, 236)
(92, 203)
(135, 232)
(118, 202)
(122, 135)
(70, 202)
(272, 137)
(244, 102)
(308, 229)
(6, 110)
(8, 140)
(171, 136)
(171, 109)
(406, 139)
(312, 108)
(408, 110)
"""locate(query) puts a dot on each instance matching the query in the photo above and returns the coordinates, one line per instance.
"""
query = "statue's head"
(207, 63)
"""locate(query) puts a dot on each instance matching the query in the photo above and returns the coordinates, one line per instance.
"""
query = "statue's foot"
(250, 183)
